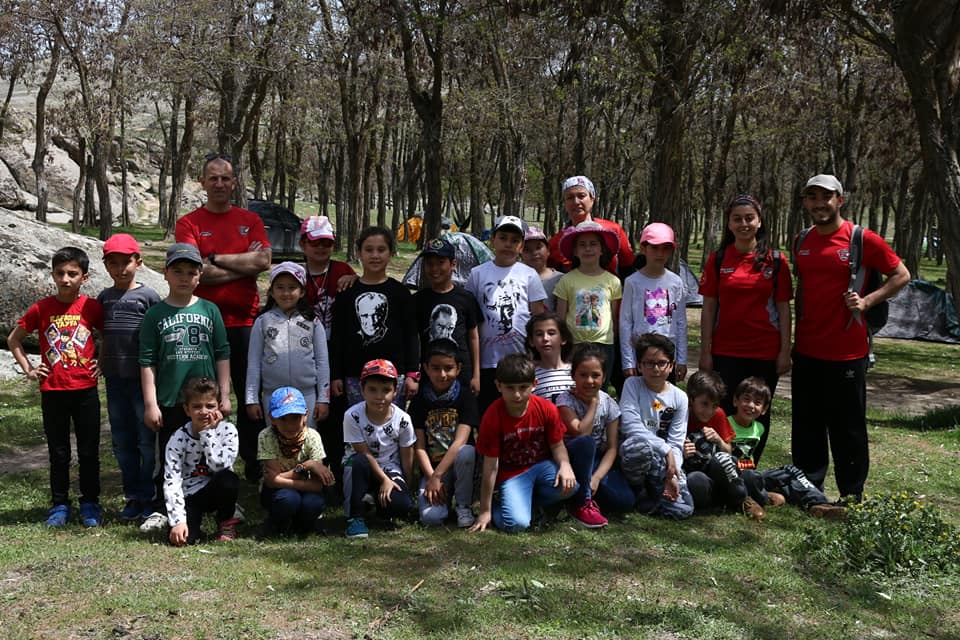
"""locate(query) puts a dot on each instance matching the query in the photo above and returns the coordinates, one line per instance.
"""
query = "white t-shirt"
(504, 295)
(384, 440)
(552, 382)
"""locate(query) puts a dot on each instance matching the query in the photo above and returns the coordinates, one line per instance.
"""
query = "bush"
(890, 534)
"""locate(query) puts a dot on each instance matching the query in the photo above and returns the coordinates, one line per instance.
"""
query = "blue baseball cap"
(287, 400)
(439, 247)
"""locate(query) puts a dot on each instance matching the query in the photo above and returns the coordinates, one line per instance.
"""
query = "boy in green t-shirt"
(181, 337)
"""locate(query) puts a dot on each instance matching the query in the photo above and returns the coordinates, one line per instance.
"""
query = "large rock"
(26, 247)
(10, 194)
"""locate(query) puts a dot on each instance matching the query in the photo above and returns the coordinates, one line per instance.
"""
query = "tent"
(691, 285)
(470, 253)
(922, 311)
(415, 227)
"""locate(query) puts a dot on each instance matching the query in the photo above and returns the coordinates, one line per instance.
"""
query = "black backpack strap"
(858, 273)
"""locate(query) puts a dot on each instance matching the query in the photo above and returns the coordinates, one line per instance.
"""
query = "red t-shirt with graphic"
(826, 329)
(521, 442)
(718, 422)
(228, 232)
(66, 340)
(747, 324)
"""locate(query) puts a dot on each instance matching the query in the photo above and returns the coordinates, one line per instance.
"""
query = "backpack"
(876, 316)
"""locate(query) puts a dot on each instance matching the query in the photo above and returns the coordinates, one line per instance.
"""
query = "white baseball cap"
(825, 181)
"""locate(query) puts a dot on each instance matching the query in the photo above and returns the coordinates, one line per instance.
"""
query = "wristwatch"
(212, 258)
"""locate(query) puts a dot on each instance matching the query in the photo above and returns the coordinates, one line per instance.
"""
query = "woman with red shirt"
(745, 320)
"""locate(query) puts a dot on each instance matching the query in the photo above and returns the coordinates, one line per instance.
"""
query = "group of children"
(486, 368)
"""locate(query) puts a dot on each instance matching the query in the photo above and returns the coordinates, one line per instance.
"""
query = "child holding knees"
(198, 471)
(444, 415)
(713, 476)
(379, 459)
(294, 475)
(587, 410)
(525, 458)
(550, 342)
(288, 348)
(653, 420)
(654, 301)
(588, 296)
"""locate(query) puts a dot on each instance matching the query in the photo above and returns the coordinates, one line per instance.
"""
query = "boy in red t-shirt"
(524, 457)
(713, 477)
(67, 375)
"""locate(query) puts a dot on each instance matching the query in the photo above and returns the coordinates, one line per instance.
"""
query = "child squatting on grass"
(67, 375)
(525, 458)
(198, 474)
(293, 471)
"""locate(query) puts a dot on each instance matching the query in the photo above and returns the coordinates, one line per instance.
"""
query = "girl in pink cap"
(653, 300)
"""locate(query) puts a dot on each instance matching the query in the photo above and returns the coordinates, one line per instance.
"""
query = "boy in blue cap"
(293, 471)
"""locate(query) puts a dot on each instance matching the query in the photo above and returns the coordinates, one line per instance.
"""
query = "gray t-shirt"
(607, 411)
(123, 312)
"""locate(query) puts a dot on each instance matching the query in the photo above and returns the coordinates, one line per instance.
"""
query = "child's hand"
(689, 449)
(681, 370)
(671, 488)
(95, 368)
(594, 484)
(386, 489)
(178, 534)
(435, 492)
(475, 385)
(712, 436)
(336, 388)
(322, 472)
(345, 282)
(37, 374)
(152, 417)
(321, 411)
(565, 479)
(410, 387)
(482, 522)
(254, 411)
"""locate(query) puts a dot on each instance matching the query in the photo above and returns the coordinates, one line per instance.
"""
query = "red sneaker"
(588, 515)
(227, 530)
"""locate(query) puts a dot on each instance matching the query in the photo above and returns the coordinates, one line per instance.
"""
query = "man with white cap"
(831, 339)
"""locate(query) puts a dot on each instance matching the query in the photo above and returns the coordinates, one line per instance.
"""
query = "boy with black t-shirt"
(444, 415)
(448, 311)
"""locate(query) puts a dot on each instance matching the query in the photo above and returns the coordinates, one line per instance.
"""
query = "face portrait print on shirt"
(500, 301)
(372, 309)
(656, 306)
(588, 309)
(443, 321)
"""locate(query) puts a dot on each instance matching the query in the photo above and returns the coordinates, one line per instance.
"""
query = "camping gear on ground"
(470, 253)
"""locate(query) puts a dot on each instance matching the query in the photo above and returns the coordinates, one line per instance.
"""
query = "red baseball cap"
(379, 367)
(121, 243)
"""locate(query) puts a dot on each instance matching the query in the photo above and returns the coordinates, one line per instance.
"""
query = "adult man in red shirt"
(235, 249)
(579, 195)
(831, 343)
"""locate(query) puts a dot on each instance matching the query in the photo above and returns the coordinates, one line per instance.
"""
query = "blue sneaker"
(58, 515)
(357, 528)
(132, 511)
(90, 514)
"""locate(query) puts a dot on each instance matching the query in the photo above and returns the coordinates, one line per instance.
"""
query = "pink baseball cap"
(317, 227)
(121, 243)
(658, 233)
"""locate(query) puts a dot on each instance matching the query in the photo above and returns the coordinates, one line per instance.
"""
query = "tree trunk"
(40, 146)
(181, 163)
(124, 174)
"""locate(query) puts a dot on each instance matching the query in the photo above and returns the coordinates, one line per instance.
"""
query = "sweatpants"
(645, 469)
(219, 495)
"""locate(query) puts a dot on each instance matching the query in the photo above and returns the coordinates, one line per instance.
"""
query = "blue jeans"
(289, 507)
(519, 493)
(134, 444)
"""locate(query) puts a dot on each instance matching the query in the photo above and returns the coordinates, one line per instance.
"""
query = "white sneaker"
(238, 514)
(465, 517)
(156, 521)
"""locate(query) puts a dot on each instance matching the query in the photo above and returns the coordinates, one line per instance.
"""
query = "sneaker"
(227, 530)
(465, 517)
(776, 499)
(828, 511)
(131, 511)
(90, 514)
(588, 515)
(156, 521)
(357, 528)
(238, 514)
(58, 515)
(752, 509)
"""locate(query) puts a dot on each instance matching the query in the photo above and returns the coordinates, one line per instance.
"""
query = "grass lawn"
(716, 577)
